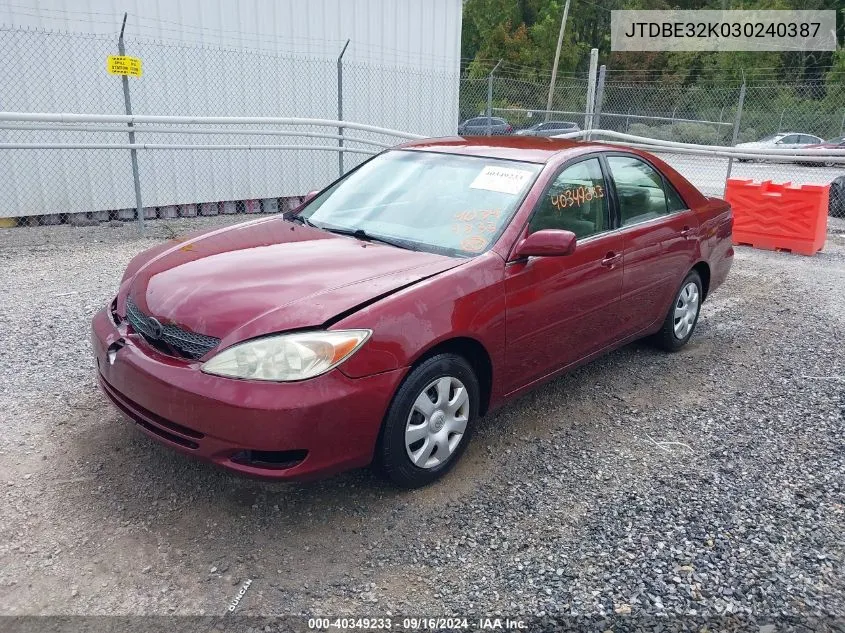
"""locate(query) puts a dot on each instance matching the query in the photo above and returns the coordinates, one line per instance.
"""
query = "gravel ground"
(704, 483)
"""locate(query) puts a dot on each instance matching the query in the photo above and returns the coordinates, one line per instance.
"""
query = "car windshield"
(442, 203)
(771, 137)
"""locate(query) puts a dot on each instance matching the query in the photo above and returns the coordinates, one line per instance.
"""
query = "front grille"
(170, 339)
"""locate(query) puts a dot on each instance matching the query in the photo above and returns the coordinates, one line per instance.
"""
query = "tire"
(673, 336)
(436, 439)
(836, 202)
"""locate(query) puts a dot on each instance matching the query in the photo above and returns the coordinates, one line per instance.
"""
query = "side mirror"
(547, 243)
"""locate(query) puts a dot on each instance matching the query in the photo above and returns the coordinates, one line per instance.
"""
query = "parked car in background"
(550, 128)
(782, 140)
(834, 143)
(478, 126)
(427, 287)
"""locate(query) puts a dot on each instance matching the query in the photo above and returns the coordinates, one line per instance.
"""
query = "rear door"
(659, 235)
(561, 309)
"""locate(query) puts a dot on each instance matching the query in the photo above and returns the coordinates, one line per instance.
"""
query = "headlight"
(287, 357)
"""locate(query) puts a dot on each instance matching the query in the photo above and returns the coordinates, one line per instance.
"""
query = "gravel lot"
(703, 483)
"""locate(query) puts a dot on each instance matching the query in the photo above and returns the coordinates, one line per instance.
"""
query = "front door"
(561, 309)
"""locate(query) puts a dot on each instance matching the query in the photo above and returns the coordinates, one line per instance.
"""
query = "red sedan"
(834, 143)
(416, 294)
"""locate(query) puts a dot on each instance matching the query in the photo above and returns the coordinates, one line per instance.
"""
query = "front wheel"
(682, 317)
(429, 422)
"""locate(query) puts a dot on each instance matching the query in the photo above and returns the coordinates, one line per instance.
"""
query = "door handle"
(686, 232)
(611, 259)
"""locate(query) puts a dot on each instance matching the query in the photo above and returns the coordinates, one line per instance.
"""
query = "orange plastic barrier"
(779, 217)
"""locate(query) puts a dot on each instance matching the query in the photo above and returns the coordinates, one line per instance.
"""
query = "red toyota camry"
(381, 320)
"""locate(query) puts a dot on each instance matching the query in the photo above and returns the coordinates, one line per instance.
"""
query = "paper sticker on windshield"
(501, 179)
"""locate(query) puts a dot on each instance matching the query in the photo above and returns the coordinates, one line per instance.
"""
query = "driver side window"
(576, 201)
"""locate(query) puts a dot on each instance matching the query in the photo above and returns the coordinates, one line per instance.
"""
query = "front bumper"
(319, 426)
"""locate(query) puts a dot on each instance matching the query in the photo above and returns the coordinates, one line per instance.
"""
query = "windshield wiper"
(361, 234)
(295, 217)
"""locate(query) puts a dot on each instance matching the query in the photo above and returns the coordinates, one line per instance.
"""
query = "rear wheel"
(429, 422)
(682, 316)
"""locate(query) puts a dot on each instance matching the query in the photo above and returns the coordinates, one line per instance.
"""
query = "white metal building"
(214, 58)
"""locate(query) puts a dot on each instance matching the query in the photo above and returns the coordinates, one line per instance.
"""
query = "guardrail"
(723, 151)
(95, 181)
(66, 122)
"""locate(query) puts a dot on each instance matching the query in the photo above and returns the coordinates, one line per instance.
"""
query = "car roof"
(532, 149)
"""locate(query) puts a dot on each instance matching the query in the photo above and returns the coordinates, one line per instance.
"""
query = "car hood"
(271, 276)
(755, 144)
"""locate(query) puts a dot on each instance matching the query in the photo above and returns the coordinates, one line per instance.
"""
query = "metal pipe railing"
(810, 155)
(70, 127)
(68, 117)
(150, 146)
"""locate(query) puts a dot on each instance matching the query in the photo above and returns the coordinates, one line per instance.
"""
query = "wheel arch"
(474, 352)
(703, 270)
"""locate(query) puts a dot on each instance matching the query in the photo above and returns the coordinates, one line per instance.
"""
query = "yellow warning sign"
(123, 65)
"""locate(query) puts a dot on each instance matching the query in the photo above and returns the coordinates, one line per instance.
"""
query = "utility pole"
(490, 97)
(591, 92)
(557, 59)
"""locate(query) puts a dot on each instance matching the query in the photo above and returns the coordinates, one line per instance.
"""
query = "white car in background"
(782, 140)
(550, 128)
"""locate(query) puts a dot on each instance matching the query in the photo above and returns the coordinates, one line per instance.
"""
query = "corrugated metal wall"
(218, 57)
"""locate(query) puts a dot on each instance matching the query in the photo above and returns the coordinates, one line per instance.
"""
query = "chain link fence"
(713, 113)
(81, 172)
(523, 103)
